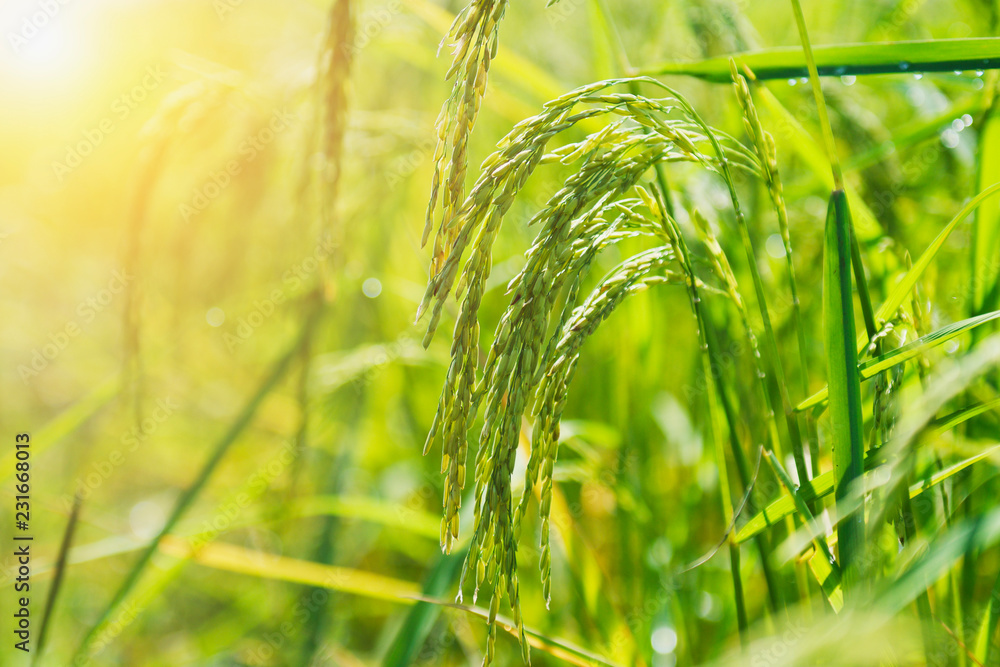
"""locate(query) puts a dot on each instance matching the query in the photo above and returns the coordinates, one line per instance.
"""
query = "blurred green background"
(149, 286)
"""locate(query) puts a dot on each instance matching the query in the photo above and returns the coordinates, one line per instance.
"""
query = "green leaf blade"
(844, 378)
(932, 55)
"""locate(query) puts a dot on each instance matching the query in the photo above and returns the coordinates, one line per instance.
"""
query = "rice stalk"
(710, 352)
(824, 118)
(838, 176)
(183, 105)
(715, 427)
(774, 377)
(337, 57)
(742, 465)
(763, 144)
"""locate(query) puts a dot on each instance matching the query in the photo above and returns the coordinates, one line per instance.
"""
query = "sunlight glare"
(43, 47)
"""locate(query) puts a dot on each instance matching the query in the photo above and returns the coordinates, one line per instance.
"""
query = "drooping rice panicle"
(629, 277)
(473, 36)
(573, 226)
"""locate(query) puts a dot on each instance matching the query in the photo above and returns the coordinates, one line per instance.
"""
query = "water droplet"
(215, 317)
(903, 65)
(775, 246)
(848, 80)
(146, 518)
(957, 125)
(979, 72)
(967, 119)
(792, 82)
(950, 138)
(918, 76)
(664, 640)
(372, 288)
(958, 72)
(804, 79)
(977, 84)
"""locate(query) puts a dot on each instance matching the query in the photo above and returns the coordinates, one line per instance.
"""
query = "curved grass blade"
(954, 419)
(903, 288)
(418, 523)
(232, 558)
(558, 648)
(948, 422)
(823, 565)
(899, 355)
(844, 378)
(823, 485)
(932, 55)
(872, 367)
(973, 534)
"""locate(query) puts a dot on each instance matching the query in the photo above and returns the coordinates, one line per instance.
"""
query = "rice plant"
(538, 339)
(719, 377)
